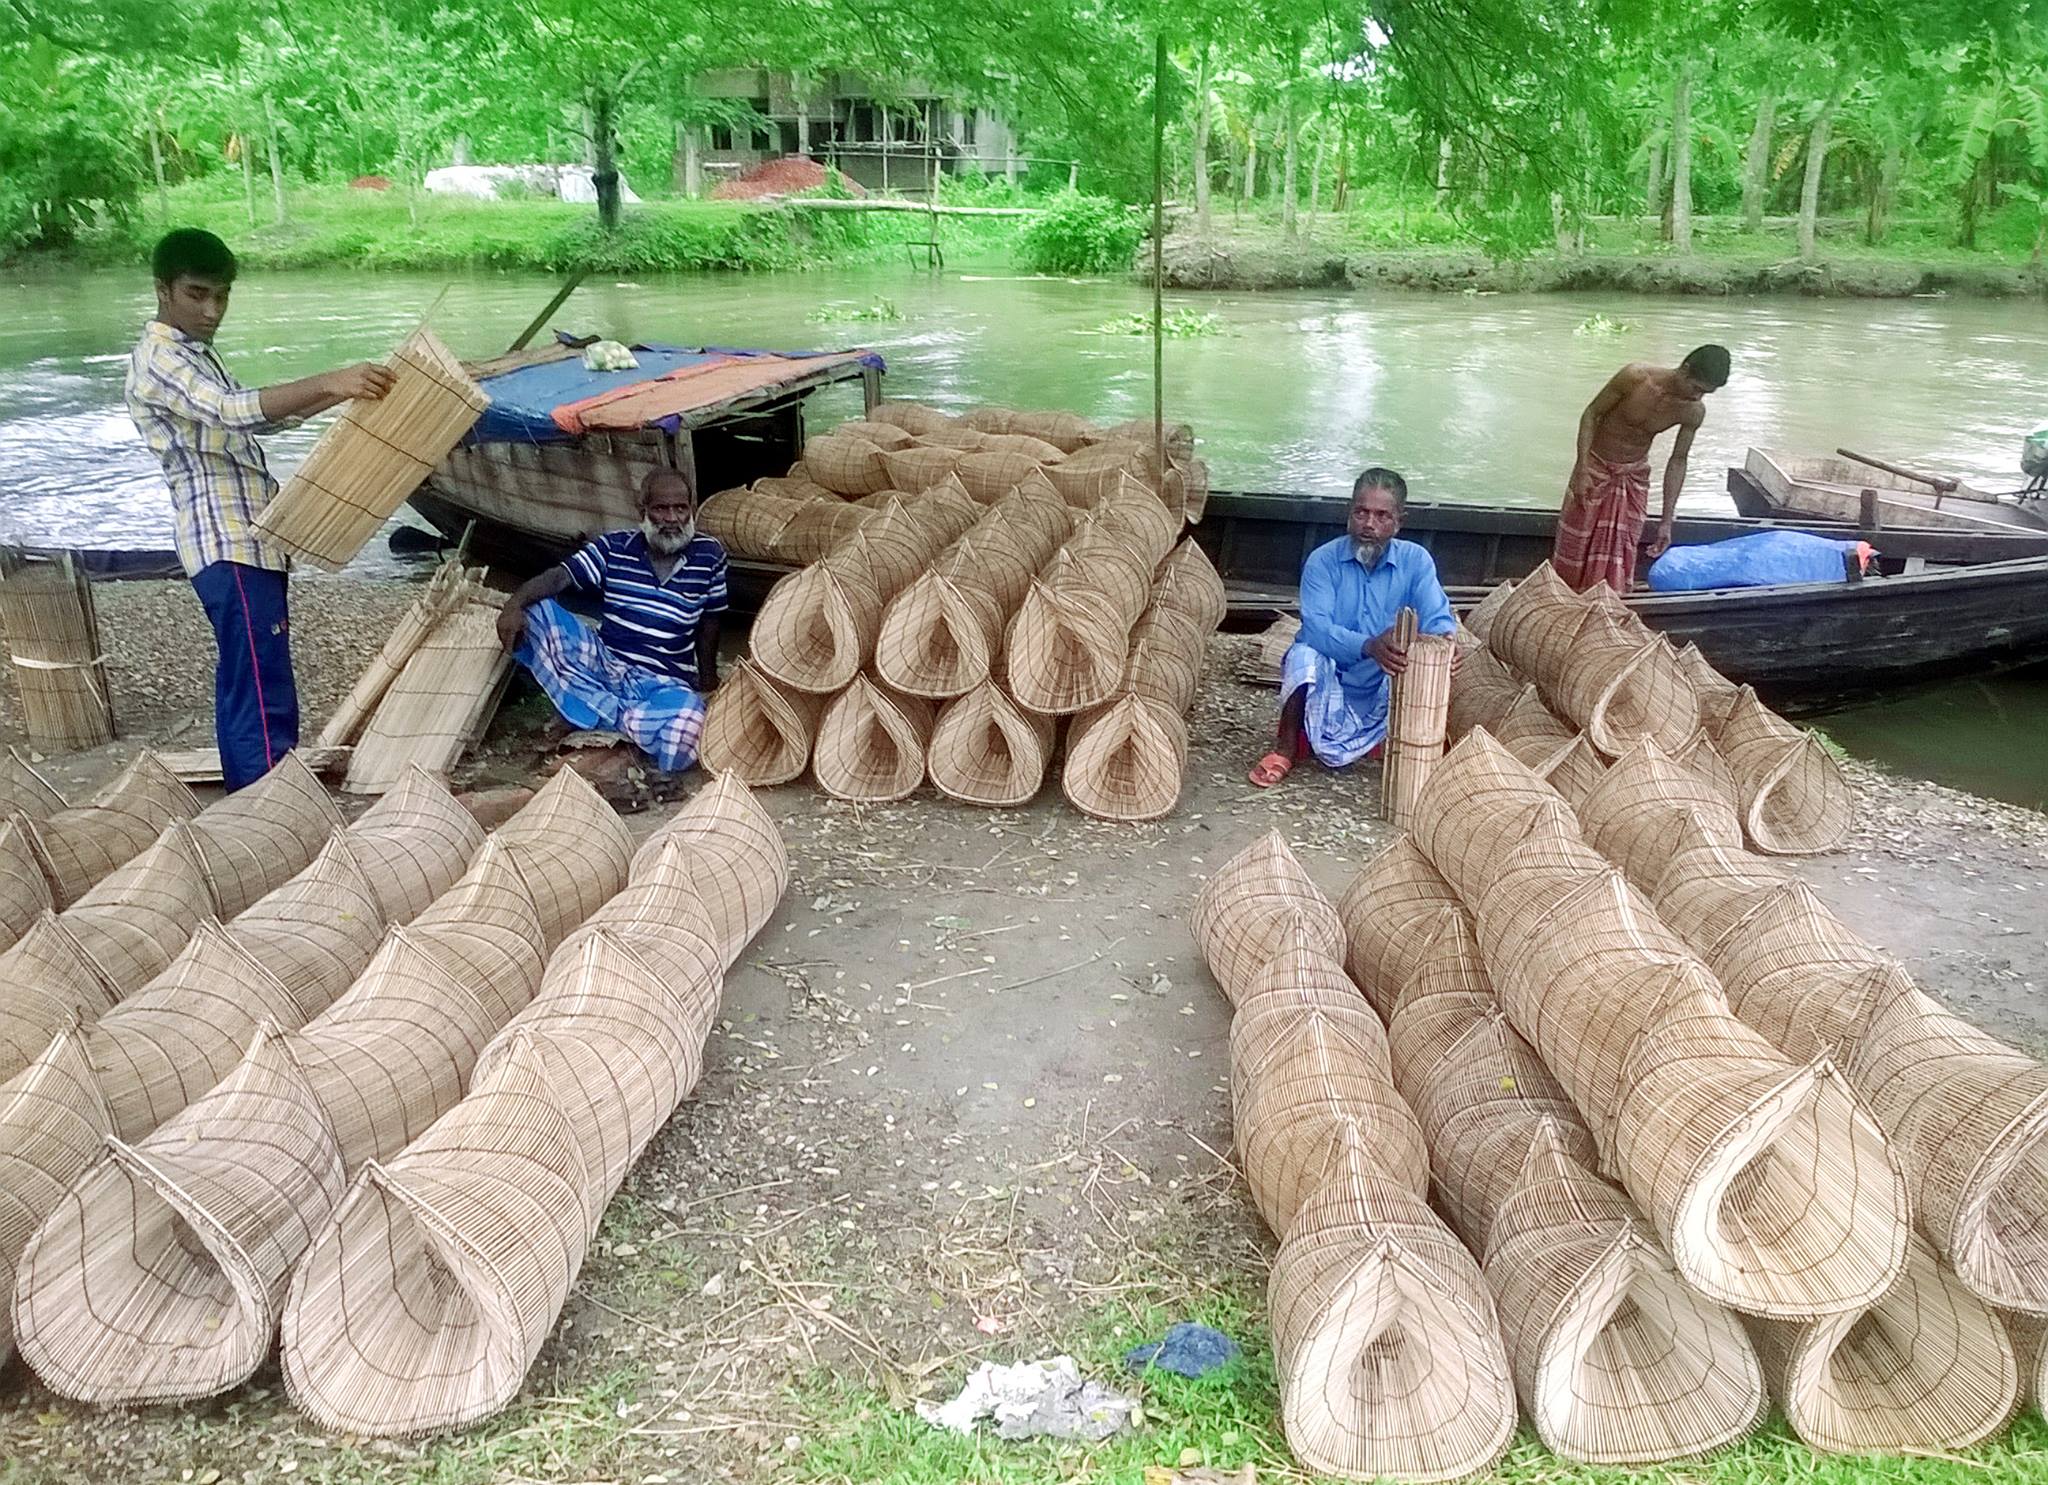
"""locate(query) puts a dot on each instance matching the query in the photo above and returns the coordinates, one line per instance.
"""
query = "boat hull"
(1790, 487)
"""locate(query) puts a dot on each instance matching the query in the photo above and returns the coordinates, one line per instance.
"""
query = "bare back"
(1639, 403)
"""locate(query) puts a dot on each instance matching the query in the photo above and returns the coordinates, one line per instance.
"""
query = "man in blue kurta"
(1334, 681)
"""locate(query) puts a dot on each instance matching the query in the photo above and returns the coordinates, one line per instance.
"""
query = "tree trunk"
(1816, 165)
(249, 177)
(1343, 164)
(1757, 163)
(1681, 159)
(1315, 178)
(1288, 225)
(1443, 172)
(1973, 196)
(276, 166)
(1884, 189)
(156, 164)
(1653, 182)
(803, 130)
(1202, 141)
(604, 146)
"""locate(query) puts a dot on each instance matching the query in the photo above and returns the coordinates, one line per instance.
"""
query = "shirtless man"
(1602, 520)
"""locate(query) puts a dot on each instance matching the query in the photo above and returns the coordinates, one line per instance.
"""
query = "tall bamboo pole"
(1159, 262)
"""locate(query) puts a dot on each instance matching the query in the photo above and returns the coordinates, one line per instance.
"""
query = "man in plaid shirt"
(202, 424)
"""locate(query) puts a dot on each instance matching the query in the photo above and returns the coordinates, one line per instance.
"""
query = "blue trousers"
(255, 700)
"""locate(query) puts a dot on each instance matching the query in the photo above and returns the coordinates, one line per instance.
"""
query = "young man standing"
(202, 424)
(1609, 494)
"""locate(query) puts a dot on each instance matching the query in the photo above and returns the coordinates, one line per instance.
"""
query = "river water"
(1474, 397)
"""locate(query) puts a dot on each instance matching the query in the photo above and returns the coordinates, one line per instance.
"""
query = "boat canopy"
(547, 395)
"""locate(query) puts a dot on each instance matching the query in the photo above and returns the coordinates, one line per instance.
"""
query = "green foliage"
(879, 309)
(65, 161)
(1082, 234)
(1599, 324)
(1176, 324)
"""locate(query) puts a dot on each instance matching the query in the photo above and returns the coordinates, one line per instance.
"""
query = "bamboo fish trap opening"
(52, 633)
(374, 456)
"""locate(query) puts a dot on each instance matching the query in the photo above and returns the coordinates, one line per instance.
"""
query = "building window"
(721, 137)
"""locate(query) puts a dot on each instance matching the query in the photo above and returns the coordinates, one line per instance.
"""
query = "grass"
(1178, 324)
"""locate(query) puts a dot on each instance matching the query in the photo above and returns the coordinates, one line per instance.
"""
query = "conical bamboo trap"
(413, 843)
(116, 1302)
(2030, 1344)
(1066, 647)
(426, 1298)
(913, 418)
(1534, 624)
(52, 632)
(24, 890)
(818, 529)
(1247, 911)
(748, 523)
(1125, 760)
(1385, 912)
(1699, 754)
(25, 792)
(987, 750)
(571, 850)
(1472, 807)
(881, 435)
(79, 845)
(374, 456)
(816, 630)
(939, 638)
(1619, 688)
(1929, 1366)
(1631, 813)
(1384, 1336)
(1717, 694)
(258, 838)
(758, 729)
(1482, 690)
(1188, 581)
(1968, 1117)
(1616, 1360)
(1574, 770)
(1794, 799)
(450, 588)
(919, 467)
(1530, 730)
(438, 705)
(746, 867)
(871, 743)
(1479, 618)
(315, 933)
(845, 464)
(72, 967)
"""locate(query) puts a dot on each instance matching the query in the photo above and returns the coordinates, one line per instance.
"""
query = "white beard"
(1369, 552)
(665, 544)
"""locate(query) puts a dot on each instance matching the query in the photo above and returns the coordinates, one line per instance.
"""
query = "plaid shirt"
(201, 425)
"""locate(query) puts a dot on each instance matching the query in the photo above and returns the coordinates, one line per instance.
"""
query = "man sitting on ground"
(648, 669)
(1334, 681)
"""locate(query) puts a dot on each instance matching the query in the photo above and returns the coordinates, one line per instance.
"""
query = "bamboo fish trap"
(1125, 760)
(1632, 812)
(1386, 913)
(816, 630)
(374, 456)
(439, 704)
(25, 792)
(52, 633)
(24, 890)
(1794, 799)
(987, 750)
(871, 743)
(114, 1303)
(1417, 714)
(571, 851)
(1620, 688)
(448, 590)
(757, 729)
(1534, 624)
(1246, 913)
(258, 838)
(413, 843)
(79, 845)
(745, 865)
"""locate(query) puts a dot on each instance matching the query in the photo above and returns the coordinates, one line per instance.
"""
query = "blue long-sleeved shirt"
(1343, 604)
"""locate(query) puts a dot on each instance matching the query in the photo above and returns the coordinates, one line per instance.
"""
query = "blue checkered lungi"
(593, 688)
(1342, 722)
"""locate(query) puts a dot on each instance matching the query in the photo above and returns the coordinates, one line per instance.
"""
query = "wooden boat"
(1873, 495)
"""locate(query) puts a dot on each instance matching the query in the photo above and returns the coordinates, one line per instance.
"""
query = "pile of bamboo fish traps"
(1544, 666)
(951, 627)
(159, 1275)
(52, 633)
(281, 962)
(1385, 1336)
(1616, 1359)
(374, 455)
(426, 1297)
(78, 845)
(71, 966)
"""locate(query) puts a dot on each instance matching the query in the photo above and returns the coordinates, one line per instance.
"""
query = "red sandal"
(1271, 769)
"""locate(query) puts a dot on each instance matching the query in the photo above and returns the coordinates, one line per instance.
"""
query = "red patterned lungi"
(1597, 536)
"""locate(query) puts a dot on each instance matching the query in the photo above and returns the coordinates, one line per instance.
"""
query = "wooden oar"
(575, 281)
(1941, 483)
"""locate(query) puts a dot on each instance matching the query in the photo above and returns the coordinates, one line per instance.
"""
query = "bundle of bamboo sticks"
(52, 634)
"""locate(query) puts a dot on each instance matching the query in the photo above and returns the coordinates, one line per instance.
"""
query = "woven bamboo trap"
(1534, 624)
(1927, 1367)
(1968, 1118)
(919, 467)
(845, 465)
(1794, 799)
(24, 890)
(881, 435)
(913, 418)
(374, 456)
(939, 638)
(757, 729)
(79, 845)
(748, 523)
(816, 629)
(1620, 689)
(818, 529)
(52, 632)
(413, 843)
(1385, 1338)
(871, 743)
(1708, 887)
(258, 838)
(991, 473)
(1246, 912)
(315, 933)
(1479, 618)
(1483, 689)
(1125, 760)
(1473, 806)
(745, 866)
(1717, 694)
(1793, 971)
(2030, 1344)
(114, 1300)
(1544, 861)
(1262, 664)
(1574, 770)
(571, 849)
(1065, 649)
(25, 792)
(1384, 913)
(439, 704)
(1631, 814)
(1530, 730)
(987, 750)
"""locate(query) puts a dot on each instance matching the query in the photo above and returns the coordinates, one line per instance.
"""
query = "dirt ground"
(967, 1094)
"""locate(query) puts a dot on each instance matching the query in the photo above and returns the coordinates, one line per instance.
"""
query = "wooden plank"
(202, 765)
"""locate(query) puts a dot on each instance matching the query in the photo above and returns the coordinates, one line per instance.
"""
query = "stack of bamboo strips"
(438, 705)
(451, 587)
(1417, 712)
(373, 456)
(281, 962)
(424, 1299)
(1543, 665)
(114, 1302)
(1385, 1337)
(52, 633)
(994, 582)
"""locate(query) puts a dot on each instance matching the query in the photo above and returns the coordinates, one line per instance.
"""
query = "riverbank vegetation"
(1746, 128)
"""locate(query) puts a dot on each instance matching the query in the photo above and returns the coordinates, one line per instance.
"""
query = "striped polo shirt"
(649, 623)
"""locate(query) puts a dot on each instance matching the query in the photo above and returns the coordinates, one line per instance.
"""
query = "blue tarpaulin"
(523, 402)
